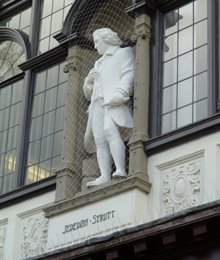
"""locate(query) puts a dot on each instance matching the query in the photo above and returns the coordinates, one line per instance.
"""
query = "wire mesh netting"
(79, 167)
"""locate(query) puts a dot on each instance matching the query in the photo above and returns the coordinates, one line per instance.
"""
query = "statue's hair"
(108, 36)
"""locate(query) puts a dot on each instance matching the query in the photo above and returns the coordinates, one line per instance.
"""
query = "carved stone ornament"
(2, 240)
(34, 236)
(181, 187)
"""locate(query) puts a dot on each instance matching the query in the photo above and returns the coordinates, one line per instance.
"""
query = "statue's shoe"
(99, 181)
(119, 174)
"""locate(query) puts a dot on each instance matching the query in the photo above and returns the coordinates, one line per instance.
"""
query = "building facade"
(168, 206)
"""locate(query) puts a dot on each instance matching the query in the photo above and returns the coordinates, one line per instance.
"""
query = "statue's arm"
(124, 89)
(127, 72)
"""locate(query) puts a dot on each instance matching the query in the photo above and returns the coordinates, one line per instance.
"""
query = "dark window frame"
(35, 63)
(160, 141)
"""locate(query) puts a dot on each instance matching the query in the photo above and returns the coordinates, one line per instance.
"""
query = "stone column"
(138, 158)
(67, 178)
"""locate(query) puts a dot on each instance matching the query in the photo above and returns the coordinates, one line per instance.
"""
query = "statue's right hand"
(92, 75)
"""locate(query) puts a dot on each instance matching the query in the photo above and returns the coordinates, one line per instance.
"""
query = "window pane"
(68, 2)
(59, 119)
(185, 91)
(186, 15)
(4, 117)
(185, 66)
(200, 34)
(168, 122)
(55, 163)
(57, 144)
(36, 128)
(170, 72)
(38, 106)
(17, 92)
(52, 77)
(45, 27)
(48, 125)
(200, 60)
(169, 99)
(51, 97)
(170, 47)
(44, 170)
(40, 82)
(46, 148)
(184, 116)
(57, 5)
(186, 40)
(53, 42)
(25, 18)
(15, 115)
(34, 152)
(200, 86)
(200, 110)
(47, 7)
(5, 97)
(61, 94)
(12, 138)
(44, 45)
(200, 10)
(3, 140)
(170, 22)
(57, 19)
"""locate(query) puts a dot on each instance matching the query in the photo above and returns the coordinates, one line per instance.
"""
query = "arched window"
(11, 55)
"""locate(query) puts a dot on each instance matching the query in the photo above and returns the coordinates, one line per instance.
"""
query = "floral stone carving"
(181, 187)
(34, 236)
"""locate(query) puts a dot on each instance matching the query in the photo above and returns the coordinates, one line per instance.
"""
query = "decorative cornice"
(43, 60)
(136, 181)
(141, 7)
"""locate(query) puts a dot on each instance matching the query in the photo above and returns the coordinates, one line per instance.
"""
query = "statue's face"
(100, 45)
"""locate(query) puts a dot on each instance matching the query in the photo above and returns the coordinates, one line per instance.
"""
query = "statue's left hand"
(117, 100)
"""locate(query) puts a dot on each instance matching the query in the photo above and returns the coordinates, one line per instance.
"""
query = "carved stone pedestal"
(99, 211)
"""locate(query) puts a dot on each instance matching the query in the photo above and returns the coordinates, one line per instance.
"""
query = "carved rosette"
(181, 187)
(34, 236)
(2, 240)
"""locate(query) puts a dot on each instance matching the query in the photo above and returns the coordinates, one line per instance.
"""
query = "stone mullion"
(138, 159)
(67, 184)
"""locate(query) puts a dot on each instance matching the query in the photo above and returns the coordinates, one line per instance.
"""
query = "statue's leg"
(102, 147)
(117, 146)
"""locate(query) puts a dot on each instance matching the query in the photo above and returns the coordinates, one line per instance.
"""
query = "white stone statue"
(109, 86)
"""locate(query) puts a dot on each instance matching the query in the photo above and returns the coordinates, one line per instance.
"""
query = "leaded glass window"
(185, 68)
(46, 124)
(10, 118)
(53, 15)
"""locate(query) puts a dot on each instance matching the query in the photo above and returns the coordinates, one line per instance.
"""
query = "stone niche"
(80, 214)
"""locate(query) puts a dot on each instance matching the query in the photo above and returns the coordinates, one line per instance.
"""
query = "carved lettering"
(97, 218)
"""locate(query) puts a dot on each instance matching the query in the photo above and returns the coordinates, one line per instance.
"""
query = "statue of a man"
(109, 86)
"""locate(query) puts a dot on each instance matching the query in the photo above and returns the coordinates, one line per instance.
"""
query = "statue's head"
(105, 37)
